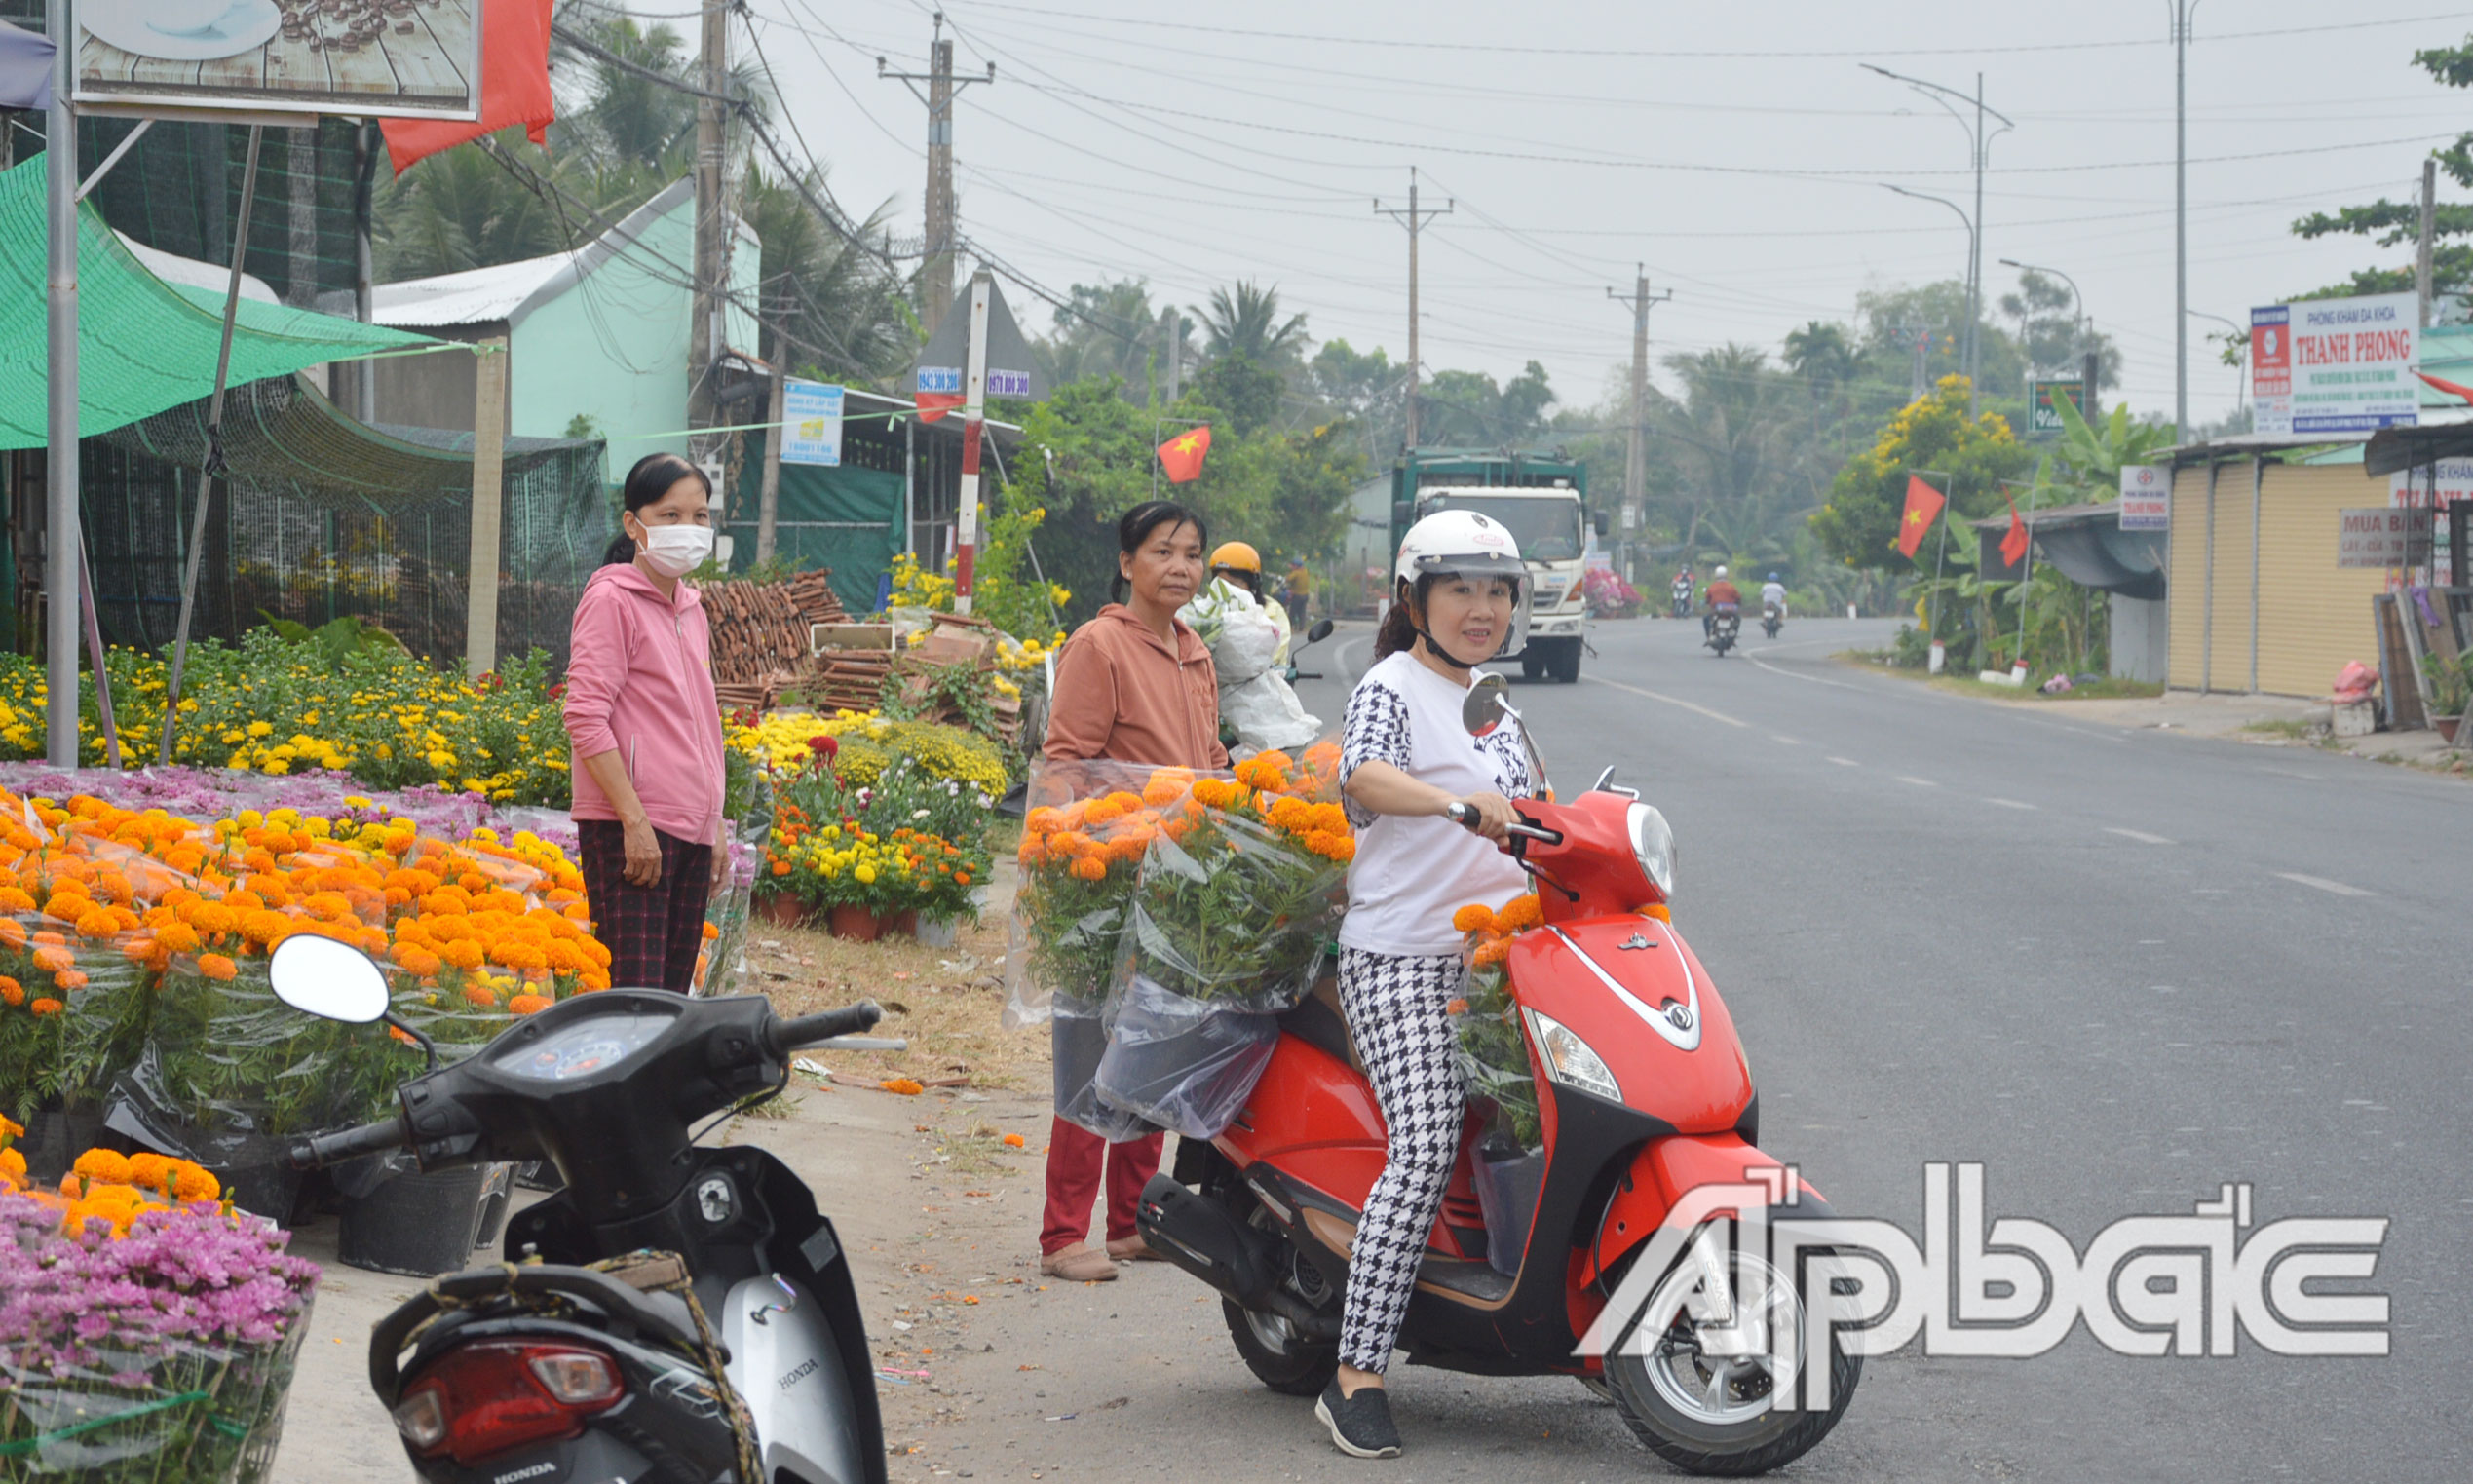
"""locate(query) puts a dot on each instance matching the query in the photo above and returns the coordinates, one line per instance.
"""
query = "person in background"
(1133, 685)
(1239, 565)
(1721, 594)
(1774, 595)
(1300, 588)
(646, 733)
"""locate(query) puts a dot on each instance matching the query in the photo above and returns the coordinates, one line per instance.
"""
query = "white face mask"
(674, 551)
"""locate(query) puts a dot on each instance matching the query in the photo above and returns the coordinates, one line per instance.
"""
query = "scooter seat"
(1318, 1022)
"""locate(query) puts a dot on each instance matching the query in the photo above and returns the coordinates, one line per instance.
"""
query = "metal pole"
(488, 511)
(2257, 477)
(2207, 618)
(1975, 262)
(1412, 306)
(65, 545)
(973, 414)
(2180, 233)
(2422, 257)
(364, 175)
(909, 485)
(213, 462)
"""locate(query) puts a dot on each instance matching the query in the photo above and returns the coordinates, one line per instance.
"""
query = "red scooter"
(1643, 1094)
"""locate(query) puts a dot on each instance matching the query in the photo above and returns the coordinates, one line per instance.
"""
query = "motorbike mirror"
(1320, 632)
(1486, 706)
(333, 980)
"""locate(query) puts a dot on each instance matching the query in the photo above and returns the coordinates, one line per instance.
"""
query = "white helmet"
(1720, 574)
(1466, 543)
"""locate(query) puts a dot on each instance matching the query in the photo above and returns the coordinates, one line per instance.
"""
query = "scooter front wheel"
(1704, 1396)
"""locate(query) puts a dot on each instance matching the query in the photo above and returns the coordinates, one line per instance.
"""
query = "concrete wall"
(612, 348)
(432, 390)
(2141, 647)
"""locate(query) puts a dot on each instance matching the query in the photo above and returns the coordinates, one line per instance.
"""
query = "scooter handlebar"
(788, 1036)
(1466, 815)
(320, 1149)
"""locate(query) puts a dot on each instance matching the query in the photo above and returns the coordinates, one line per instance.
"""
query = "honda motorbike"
(1643, 1095)
(677, 1312)
(1772, 619)
(1726, 625)
(1682, 595)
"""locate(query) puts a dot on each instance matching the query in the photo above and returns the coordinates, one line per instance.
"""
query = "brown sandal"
(1081, 1263)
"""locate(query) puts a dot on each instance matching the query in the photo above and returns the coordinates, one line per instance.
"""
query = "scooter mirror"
(334, 981)
(1484, 710)
(1320, 632)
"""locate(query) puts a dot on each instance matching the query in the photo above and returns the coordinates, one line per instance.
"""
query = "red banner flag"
(2013, 545)
(1182, 455)
(936, 404)
(1923, 506)
(514, 87)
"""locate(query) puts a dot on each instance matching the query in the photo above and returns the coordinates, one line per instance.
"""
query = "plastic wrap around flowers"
(146, 1332)
(1083, 838)
(134, 949)
(1494, 1054)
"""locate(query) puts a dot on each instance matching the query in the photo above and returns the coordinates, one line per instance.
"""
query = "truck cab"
(1541, 501)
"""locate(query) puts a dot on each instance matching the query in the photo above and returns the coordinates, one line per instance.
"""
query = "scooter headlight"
(1570, 1060)
(1652, 843)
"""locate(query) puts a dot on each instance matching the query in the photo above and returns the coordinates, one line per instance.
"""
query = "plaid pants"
(1395, 1005)
(653, 932)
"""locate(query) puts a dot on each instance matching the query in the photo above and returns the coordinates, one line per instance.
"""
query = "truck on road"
(1541, 499)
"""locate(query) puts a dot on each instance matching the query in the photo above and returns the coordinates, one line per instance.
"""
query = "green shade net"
(842, 517)
(144, 345)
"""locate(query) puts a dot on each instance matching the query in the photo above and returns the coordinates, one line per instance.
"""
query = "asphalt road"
(2122, 968)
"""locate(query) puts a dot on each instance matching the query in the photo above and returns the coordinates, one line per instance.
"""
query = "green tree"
(1968, 460)
(2397, 224)
(1243, 390)
(2054, 335)
(847, 316)
(1467, 410)
(1822, 355)
(1244, 320)
(1110, 329)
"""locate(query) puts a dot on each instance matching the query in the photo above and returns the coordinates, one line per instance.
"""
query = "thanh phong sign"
(2336, 366)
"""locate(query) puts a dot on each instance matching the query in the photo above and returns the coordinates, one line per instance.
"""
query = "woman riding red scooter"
(1641, 1098)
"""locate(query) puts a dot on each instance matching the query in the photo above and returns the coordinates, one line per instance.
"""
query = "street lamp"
(1980, 148)
(2085, 337)
(1973, 243)
(2182, 12)
(2239, 336)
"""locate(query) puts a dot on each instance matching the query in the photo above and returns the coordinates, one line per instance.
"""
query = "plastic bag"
(1267, 714)
(1232, 913)
(1186, 1065)
(1079, 1034)
(1509, 1160)
(1084, 826)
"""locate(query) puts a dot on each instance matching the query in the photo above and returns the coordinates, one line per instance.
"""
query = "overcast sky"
(1738, 148)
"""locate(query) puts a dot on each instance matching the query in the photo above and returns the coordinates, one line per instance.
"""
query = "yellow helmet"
(1237, 556)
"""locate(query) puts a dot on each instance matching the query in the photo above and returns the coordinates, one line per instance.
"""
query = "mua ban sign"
(2336, 366)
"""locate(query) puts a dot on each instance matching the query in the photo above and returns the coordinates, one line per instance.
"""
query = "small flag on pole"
(1923, 506)
(936, 404)
(1182, 455)
(2013, 545)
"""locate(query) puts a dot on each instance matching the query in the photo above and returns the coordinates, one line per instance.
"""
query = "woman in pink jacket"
(646, 729)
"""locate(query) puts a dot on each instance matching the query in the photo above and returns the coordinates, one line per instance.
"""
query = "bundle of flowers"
(902, 839)
(1609, 594)
(1494, 1051)
(133, 950)
(268, 705)
(146, 1332)
(867, 744)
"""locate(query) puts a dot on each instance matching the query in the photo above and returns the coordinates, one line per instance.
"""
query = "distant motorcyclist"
(1238, 565)
(1722, 596)
(1682, 585)
(1248, 640)
(1774, 595)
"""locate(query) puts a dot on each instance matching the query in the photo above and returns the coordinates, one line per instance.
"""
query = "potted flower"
(2449, 685)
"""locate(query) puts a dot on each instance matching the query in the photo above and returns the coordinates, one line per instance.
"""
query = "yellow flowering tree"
(1967, 459)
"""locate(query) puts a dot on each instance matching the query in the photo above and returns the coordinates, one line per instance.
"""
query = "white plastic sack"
(1267, 714)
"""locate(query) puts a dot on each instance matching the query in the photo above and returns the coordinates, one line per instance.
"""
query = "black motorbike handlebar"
(787, 1035)
(320, 1149)
(1466, 817)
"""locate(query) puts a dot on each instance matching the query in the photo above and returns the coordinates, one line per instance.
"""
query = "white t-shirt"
(1411, 874)
(1773, 593)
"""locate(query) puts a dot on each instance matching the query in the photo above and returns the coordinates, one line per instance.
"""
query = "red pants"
(1073, 1158)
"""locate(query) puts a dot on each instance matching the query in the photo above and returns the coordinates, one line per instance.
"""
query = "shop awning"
(2088, 545)
(144, 345)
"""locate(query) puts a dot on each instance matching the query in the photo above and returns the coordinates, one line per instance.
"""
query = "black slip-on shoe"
(1360, 1424)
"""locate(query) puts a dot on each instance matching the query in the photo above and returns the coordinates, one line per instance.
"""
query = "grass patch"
(1956, 682)
(2280, 726)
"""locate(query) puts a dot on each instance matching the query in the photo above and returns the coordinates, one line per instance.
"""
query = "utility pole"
(1917, 338)
(1636, 457)
(713, 237)
(1172, 326)
(2181, 9)
(2429, 216)
(936, 276)
(1414, 218)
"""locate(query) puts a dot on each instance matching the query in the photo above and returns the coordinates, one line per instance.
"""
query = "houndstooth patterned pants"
(1394, 1006)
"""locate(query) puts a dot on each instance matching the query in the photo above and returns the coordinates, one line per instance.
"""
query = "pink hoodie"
(639, 682)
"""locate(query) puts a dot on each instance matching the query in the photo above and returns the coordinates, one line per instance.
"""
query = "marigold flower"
(217, 967)
(1519, 914)
(1090, 868)
(47, 1006)
(530, 1005)
(906, 1086)
(104, 1165)
(190, 1183)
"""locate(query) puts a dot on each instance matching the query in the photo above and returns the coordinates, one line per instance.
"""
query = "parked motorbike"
(1726, 625)
(1682, 595)
(677, 1312)
(1643, 1094)
(1772, 619)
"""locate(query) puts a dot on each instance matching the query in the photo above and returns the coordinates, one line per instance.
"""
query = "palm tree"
(846, 315)
(1822, 355)
(1245, 322)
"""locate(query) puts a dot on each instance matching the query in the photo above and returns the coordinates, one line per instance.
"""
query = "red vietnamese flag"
(1182, 455)
(2013, 545)
(936, 404)
(2448, 387)
(1923, 506)
(514, 87)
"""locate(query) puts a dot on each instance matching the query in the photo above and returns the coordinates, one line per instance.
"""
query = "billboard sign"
(2043, 419)
(2383, 536)
(811, 422)
(1012, 371)
(2146, 498)
(382, 59)
(2336, 366)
